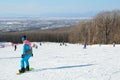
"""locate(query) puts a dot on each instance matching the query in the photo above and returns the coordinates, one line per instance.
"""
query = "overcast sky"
(40, 8)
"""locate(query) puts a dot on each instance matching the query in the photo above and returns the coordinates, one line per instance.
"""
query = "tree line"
(35, 36)
(104, 28)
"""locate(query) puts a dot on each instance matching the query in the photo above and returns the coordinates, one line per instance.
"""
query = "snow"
(71, 62)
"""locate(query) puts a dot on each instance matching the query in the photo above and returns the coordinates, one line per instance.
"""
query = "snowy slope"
(71, 62)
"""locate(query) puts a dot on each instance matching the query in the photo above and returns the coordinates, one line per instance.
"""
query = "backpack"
(29, 51)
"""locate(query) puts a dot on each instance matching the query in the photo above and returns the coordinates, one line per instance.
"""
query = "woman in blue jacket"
(27, 53)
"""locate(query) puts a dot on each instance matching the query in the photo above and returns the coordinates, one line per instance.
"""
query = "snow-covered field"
(71, 62)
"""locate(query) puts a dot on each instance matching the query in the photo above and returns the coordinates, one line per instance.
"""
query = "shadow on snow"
(1, 58)
(63, 67)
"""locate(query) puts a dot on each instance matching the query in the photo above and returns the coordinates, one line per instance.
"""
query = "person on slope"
(15, 47)
(27, 53)
(85, 45)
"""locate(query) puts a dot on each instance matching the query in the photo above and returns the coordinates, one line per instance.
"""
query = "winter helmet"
(23, 38)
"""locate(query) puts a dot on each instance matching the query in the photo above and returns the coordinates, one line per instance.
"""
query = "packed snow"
(71, 62)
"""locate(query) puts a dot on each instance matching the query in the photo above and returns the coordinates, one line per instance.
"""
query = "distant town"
(28, 24)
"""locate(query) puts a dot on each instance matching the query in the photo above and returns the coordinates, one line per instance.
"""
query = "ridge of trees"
(104, 28)
(51, 35)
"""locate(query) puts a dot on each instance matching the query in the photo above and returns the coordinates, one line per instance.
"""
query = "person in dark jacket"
(15, 47)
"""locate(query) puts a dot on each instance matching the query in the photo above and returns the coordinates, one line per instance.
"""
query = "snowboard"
(18, 73)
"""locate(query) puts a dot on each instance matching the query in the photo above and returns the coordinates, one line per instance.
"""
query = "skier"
(15, 47)
(27, 53)
(113, 44)
(85, 45)
(40, 44)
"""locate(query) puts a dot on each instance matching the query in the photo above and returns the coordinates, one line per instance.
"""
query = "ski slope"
(71, 62)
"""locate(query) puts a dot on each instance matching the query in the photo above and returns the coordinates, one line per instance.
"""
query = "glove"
(22, 56)
(32, 55)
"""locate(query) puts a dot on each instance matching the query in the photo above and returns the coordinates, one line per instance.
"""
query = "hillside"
(71, 62)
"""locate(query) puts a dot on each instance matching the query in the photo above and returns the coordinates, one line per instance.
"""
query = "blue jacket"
(26, 47)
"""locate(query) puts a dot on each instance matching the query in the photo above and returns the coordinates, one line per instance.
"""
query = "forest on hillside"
(104, 28)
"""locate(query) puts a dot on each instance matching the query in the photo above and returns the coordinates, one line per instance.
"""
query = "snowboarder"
(27, 53)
